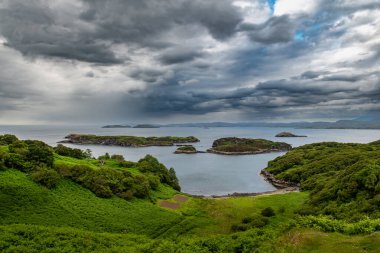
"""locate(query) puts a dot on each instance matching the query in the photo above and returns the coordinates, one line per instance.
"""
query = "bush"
(7, 139)
(46, 177)
(118, 158)
(247, 219)
(71, 152)
(259, 221)
(268, 212)
(239, 227)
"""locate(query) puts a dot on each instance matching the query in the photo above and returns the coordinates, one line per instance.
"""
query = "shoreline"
(213, 151)
(282, 187)
(248, 194)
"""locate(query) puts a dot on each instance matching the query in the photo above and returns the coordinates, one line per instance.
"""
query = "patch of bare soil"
(180, 198)
(170, 205)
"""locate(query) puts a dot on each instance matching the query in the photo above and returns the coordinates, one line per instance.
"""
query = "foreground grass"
(302, 240)
(69, 204)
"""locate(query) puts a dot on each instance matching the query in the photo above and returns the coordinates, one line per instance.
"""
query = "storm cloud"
(181, 60)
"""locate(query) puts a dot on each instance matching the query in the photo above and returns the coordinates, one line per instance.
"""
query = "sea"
(202, 173)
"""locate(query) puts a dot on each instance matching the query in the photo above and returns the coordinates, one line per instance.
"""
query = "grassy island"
(188, 149)
(59, 199)
(127, 141)
(245, 146)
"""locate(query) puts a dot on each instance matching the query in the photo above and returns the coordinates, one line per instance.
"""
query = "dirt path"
(175, 203)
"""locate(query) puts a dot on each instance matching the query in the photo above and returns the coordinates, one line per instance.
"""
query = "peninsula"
(246, 146)
(127, 141)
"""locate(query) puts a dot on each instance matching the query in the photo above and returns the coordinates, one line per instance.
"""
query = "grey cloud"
(179, 55)
(149, 75)
(277, 29)
(34, 28)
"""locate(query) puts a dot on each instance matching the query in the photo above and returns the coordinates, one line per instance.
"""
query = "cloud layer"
(185, 60)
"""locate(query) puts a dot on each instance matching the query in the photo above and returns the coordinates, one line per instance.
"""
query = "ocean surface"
(199, 174)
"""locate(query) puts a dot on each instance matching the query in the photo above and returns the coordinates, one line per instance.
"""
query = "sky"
(173, 61)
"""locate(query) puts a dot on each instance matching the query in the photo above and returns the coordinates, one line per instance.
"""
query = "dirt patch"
(170, 205)
(180, 198)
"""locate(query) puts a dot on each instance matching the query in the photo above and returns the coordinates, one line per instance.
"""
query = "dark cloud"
(278, 29)
(179, 55)
(156, 59)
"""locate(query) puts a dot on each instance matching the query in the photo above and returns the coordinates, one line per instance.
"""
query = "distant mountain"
(340, 124)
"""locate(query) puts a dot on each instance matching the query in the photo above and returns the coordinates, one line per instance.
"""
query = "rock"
(288, 134)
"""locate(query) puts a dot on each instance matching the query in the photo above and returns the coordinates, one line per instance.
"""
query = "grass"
(307, 240)
(226, 212)
(25, 202)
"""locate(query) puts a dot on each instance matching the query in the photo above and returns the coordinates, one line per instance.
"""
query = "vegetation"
(343, 179)
(72, 152)
(233, 145)
(55, 203)
(188, 149)
(127, 141)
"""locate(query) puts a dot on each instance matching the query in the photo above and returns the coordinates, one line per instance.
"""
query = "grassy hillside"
(50, 203)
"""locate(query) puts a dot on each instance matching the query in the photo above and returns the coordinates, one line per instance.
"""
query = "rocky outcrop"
(278, 183)
(288, 134)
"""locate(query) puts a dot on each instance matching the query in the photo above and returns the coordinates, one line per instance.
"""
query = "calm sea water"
(201, 174)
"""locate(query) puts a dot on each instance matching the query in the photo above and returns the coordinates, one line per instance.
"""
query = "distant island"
(245, 146)
(146, 126)
(127, 141)
(116, 126)
(128, 126)
(187, 149)
(340, 124)
(288, 134)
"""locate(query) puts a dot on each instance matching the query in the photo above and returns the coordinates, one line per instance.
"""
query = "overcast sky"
(121, 61)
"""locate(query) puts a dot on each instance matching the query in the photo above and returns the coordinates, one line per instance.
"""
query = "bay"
(199, 174)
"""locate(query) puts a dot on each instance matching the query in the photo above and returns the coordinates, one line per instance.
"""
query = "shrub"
(71, 152)
(268, 212)
(259, 221)
(7, 139)
(118, 158)
(40, 152)
(239, 227)
(247, 219)
(46, 177)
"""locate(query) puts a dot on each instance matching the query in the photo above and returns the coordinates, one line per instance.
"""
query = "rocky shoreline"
(213, 151)
(278, 183)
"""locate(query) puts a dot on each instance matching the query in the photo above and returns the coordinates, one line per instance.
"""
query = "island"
(146, 126)
(127, 141)
(186, 149)
(288, 134)
(116, 126)
(246, 146)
